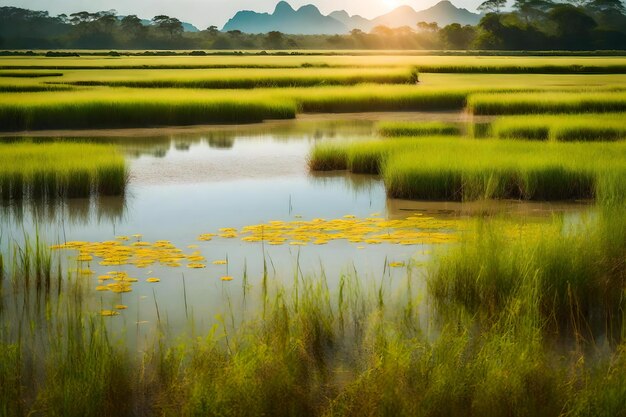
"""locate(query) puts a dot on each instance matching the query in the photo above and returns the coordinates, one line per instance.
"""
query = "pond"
(202, 182)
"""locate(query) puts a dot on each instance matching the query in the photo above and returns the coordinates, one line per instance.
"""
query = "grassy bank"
(133, 108)
(555, 102)
(321, 59)
(59, 170)
(462, 169)
(395, 129)
(574, 274)
(242, 78)
(587, 127)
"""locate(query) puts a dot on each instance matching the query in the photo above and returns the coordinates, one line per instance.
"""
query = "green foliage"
(416, 128)
(566, 127)
(58, 170)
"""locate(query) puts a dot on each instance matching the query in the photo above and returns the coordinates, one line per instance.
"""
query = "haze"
(204, 13)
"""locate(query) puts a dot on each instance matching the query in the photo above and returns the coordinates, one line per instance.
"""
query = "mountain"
(443, 13)
(308, 20)
(351, 22)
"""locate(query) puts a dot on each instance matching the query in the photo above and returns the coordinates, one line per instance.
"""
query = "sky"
(204, 13)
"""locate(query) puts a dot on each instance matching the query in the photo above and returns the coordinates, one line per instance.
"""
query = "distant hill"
(308, 20)
(444, 13)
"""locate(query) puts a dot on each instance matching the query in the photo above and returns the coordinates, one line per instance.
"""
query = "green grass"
(356, 351)
(426, 62)
(60, 170)
(588, 127)
(461, 169)
(555, 102)
(241, 78)
(575, 273)
(129, 108)
(416, 128)
(29, 74)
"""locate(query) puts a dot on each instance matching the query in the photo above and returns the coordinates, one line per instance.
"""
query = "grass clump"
(444, 168)
(557, 102)
(364, 98)
(591, 127)
(242, 78)
(575, 273)
(328, 156)
(102, 109)
(416, 129)
(60, 170)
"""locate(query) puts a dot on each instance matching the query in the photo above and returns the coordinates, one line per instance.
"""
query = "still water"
(193, 181)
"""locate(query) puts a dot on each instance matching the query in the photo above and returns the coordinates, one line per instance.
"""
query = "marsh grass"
(243, 79)
(130, 108)
(29, 74)
(459, 169)
(574, 272)
(357, 350)
(60, 170)
(395, 129)
(555, 102)
(587, 127)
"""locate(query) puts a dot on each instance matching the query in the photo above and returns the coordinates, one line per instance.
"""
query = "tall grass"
(379, 98)
(132, 108)
(53, 170)
(443, 168)
(588, 127)
(575, 273)
(555, 102)
(416, 128)
(356, 351)
(242, 79)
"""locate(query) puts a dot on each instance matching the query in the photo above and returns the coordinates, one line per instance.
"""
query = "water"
(189, 181)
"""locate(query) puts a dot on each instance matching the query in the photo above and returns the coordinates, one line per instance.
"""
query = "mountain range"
(308, 20)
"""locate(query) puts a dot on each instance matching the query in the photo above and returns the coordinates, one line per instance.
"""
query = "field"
(313, 234)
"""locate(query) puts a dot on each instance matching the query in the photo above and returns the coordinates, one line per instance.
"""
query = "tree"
(532, 9)
(274, 39)
(573, 26)
(169, 25)
(606, 6)
(492, 6)
(212, 30)
(455, 36)
(428, 27)
(382, 30)
(133, 27)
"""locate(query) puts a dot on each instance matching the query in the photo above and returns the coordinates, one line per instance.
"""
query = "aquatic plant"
(587, 127)
(416, 129)
(60, 170)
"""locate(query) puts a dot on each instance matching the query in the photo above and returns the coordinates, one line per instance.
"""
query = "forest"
(529, 25)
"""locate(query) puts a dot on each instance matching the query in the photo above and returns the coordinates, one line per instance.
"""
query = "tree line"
(529, 25)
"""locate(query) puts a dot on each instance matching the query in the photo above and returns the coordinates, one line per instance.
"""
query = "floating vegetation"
(414, 230)
(153, 280)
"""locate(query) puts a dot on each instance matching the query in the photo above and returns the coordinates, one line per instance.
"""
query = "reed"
(60, 170)
(555, 102)
(588, 127)
(416, 129)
